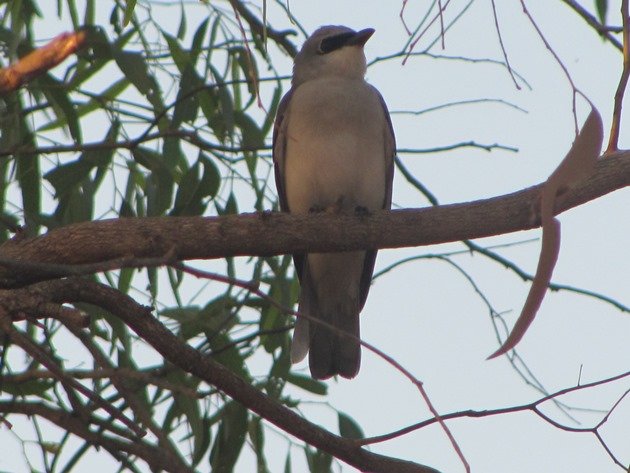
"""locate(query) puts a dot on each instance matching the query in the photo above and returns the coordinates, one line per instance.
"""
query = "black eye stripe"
(334, 42)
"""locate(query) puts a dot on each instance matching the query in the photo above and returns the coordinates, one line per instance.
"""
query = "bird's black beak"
(360, 37)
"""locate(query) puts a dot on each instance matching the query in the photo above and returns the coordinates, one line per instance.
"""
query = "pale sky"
(425, 314)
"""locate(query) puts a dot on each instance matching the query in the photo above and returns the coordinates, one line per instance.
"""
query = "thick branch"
(181, 238)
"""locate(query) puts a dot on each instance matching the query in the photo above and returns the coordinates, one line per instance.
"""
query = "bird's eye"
(333, 43)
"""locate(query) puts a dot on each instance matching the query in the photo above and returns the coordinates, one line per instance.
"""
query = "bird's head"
(332, 51)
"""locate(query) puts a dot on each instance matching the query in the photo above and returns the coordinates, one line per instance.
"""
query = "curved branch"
(176, 351)
(181, 238)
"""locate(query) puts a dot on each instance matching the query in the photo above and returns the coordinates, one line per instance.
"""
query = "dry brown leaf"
(578, 164)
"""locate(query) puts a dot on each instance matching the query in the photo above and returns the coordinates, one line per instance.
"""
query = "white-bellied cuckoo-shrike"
(333, 149)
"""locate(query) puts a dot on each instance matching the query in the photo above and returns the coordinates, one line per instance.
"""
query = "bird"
(333, 151)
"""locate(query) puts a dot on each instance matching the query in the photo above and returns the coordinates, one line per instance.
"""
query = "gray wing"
(278, 151)
(389, 154)
(279, 148)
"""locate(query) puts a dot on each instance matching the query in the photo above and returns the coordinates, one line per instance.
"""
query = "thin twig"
(602, 30)
(575, 91)
(533, 406)
(38, 354)
(458, 103)
(463, 144)
(413, 44)
(505, 55)
(613, 143)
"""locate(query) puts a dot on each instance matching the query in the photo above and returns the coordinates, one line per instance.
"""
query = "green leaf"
(279, 371)
(252, 136)
(152, 275)
(602, 9)
(150, 159)
(272, 318)
(215, 316)
(273, 108)
(89, 13)
(72, 8)
(159, 184)
(181, 57)
(100, 50)
(131, 4)
(202, 443)
(231, 207)
(66, 177)
(190, 409)
(229, 439)
(124, 279)
(185, 199)
(247, 64)
(192, 191)
(308, 384)
(227, 353)
(187, 101)
(133, 66)
(96, 103)
(173, 156)
(34, 387)
(195, 48)
(29, 178)
(75, 206)
(181, 30)
(57, 95)
(348, 427)
(220, 118)
(126, 206)
(211, 179)
(318, 460)
(257, 437)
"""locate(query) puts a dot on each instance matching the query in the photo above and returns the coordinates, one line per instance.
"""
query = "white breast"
(335, 146)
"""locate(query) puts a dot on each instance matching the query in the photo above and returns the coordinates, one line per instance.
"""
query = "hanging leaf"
(602, 9)
(308, 384)
(131, 4)
(577, 165)
(348, 427)
(229, 439)
(134, 67)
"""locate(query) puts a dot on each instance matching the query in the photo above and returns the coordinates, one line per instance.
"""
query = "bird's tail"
(334, 349)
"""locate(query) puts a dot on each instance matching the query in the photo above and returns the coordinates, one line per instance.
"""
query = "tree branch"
(278, 233)
(40, 61)
(594, 23)
(176, 351)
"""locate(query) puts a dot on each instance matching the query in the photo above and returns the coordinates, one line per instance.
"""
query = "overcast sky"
(426, 314)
